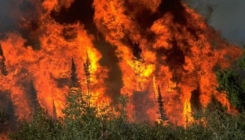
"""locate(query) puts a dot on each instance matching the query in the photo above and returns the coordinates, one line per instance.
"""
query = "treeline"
(82, 121)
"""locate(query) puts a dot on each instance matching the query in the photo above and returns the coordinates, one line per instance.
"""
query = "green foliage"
(123, 100)
(233, 85)
(39, 128)
(228, 82)
(224, 126)
(241, 61)
(80, 121)
(83, 122)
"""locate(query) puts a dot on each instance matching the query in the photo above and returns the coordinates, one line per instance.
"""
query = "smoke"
(226, 16)
(22, 17)
(14, 13)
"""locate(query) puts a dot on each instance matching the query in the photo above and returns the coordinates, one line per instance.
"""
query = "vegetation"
(233, 84)
(82, 121)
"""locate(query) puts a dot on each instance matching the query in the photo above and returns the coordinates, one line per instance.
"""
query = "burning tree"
(233, 84)
(74, 79)
(160, 105)
(159, 100)
(86, 67)
(2, 63)
(33, 98)
(54, 115)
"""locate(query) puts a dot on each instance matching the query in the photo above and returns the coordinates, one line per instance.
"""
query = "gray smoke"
(7, 19)
(226, 16)
(15, 12)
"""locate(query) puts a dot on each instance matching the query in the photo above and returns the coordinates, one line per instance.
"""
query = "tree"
(81, 121)
(86, 66)
(39, 128)
(74, 78)
(54, 112)
(2, 63)
(33, 97)
(233, 84)
(162, 116)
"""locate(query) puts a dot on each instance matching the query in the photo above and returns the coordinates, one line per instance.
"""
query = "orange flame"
(154, 39)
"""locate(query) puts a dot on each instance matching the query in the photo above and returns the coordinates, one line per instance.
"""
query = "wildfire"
(160, 47)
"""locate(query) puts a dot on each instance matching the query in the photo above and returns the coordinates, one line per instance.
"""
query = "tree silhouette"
(54, 112)
(162, 114)
(87, 73)
(33, 98)
(74, 78)
(2, 63)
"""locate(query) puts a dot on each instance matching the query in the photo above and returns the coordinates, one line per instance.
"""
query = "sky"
(226, 16)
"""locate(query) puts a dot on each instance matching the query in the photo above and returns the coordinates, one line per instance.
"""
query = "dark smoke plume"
(20, 16)
(226, 16)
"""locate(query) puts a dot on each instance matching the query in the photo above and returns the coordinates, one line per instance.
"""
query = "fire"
(161, 46)
(187, 113)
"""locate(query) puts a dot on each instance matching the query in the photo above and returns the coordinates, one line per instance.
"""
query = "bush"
(84, 122)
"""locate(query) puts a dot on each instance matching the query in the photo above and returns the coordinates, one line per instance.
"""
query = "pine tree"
(87, 73)
(160, 105)
(33, 98)
(80, 121)
(233, 84)
(215, 105)
(74, 78)
(2, 63)
(159, 100)
(54, 112)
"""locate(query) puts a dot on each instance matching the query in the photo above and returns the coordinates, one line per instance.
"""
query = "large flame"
(156, 43)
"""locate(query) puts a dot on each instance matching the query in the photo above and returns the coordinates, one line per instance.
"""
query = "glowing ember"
(118, 47)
